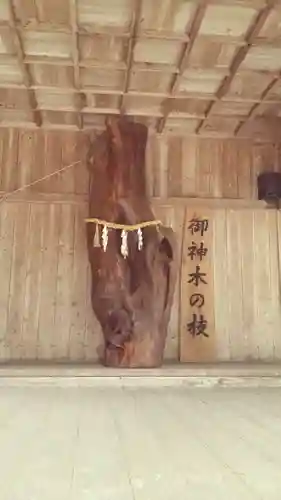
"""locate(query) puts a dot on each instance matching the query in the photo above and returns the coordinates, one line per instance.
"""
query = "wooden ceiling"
(198, 67)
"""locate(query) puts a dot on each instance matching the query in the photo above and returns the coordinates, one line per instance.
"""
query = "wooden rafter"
(191, 34)
(75, 53)
(130, 53)
(47, 54)
(253, 31)
(262, 100)
(138, 94)
(37, 118)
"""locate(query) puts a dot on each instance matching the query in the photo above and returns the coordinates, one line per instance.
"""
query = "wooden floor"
(169, 375)
(117, 443)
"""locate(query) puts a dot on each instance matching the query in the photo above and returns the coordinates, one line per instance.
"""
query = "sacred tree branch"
(133, 266)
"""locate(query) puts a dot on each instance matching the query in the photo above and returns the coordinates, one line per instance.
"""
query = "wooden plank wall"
(27, 156)
(243, 280)
(176, 166)
(44, 302)
(45, 310)
(44, 295)
(208, 168)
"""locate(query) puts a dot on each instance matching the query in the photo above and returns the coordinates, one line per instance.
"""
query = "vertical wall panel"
(7, 222)
(176, 166)
(78, 313)
(275, 243)
(52, 221)
(21, 214)
(221, 289)
(189, 160)
(246, 249)
(246, 289)
(234, 284)
(173, 217)
(64, 282)
(33, 282)
(264, 327)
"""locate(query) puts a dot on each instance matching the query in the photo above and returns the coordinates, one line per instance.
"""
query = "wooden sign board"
(197, 336)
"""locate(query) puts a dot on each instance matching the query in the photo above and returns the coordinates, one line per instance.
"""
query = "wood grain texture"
(44, 297)
(246, 292)
(45, 304)
(132, 291)
(197, 343)
(168, 62)
(45, 311)
(175, 166)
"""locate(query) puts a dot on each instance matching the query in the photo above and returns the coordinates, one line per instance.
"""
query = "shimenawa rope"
(99, 222)
(131, 227)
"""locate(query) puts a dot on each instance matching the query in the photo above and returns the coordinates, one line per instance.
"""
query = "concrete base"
(196, 375)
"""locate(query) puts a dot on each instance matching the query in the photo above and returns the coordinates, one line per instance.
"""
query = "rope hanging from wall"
(125, 229)
(41, 179)
(106, 226)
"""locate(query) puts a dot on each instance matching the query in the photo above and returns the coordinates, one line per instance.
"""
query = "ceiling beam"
(130, 53)
(191, 35)
(253, 31)
(37, 117)
(262, 100)
(188, 96)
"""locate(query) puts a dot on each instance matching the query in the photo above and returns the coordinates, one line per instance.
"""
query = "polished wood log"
(131, 297)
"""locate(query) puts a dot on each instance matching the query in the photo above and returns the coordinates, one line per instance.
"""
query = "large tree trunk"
(131, 297)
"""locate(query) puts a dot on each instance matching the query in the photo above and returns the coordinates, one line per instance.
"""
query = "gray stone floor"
(117, 443)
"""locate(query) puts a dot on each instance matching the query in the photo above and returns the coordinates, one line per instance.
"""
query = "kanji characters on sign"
(197, 251)
(197, 225)
(198, 325)
(197, 277)
(197, 300)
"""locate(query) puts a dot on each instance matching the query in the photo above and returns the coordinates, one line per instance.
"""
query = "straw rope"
(125, 227)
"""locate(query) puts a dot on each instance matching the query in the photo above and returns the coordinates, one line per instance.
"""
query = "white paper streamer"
(104, 237)
(140, 239)
(97, 237)
(124, 244)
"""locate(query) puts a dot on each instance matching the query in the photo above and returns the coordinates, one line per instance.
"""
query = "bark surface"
(131, 297)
